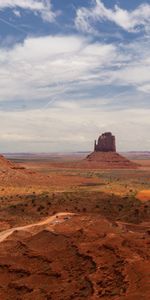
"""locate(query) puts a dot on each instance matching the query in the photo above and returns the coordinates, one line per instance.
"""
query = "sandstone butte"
(105, 155)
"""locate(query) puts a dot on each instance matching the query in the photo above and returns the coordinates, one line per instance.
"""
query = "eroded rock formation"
(105, 156)
(106, 143)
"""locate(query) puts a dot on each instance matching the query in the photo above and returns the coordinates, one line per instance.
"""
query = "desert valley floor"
(70, 232)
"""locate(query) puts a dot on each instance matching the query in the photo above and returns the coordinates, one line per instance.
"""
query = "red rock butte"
(105, 156)
(106, 142)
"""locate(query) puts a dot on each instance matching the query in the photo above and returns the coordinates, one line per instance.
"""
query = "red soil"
(26, 178)
(86, 257)
(102, 252)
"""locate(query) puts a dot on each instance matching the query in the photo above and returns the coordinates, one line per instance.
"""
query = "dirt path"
(6, 233)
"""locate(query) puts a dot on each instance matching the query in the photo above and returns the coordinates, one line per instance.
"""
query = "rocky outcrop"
(5, 163)
(106, 143)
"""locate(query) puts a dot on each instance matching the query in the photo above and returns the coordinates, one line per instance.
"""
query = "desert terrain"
(74, 231)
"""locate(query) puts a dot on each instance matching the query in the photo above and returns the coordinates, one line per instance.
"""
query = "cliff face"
(106, 143)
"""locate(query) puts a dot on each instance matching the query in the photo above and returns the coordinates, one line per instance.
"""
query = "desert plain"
(69, 231)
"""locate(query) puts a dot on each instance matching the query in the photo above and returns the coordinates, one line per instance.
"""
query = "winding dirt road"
(6, 233)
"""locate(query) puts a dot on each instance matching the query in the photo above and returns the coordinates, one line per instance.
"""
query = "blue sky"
(70, 70)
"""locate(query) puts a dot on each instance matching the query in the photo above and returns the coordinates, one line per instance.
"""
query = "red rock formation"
(106, 143)
(105, 156)
(5, 163)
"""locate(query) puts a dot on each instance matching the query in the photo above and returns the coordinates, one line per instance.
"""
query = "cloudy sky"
(71, 70)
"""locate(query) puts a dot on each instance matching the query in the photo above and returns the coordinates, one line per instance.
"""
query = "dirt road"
(6, 233)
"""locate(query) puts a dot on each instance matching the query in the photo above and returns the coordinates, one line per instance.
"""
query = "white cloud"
(17, 13)
(145, 88)
(41, 7)
(54, 71)
(130, 21)
(49, 67)
(136, 69)
(46, 66)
